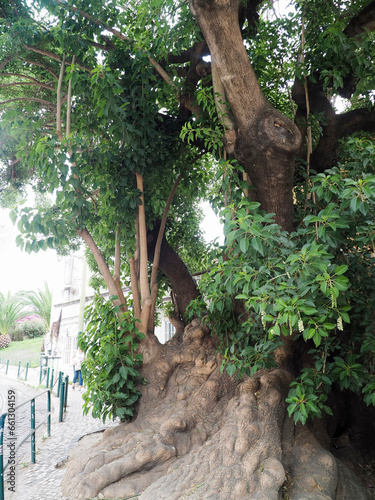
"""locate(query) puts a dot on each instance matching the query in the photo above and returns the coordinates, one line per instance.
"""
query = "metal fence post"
(66, 391)
(51, 383)
(49, 411)
(59, 384)
(19, 368)
(33, 428)
(27, 370)
(2, 422)
(47, 381)
(6, 371)
(62, 390)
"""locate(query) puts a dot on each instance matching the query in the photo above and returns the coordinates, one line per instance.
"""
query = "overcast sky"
(19, 270)
(22, 271)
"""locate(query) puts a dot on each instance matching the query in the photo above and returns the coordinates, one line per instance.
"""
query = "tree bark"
(183, 284)
(263, 140)
(203, 435)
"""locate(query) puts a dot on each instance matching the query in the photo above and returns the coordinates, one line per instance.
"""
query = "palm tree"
(10, 311)
(39, 302)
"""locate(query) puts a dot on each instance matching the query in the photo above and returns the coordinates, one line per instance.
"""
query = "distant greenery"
(32, 307)
(25, 351)
(39, 302)
(10, 312)
(28, 329)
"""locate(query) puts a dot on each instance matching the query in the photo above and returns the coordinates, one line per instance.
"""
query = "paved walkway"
(41, 481)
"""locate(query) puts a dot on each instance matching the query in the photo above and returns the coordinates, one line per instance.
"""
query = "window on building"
(169, 330)
(68, 346)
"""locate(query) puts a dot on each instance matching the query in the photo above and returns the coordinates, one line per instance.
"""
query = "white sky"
(22, 271)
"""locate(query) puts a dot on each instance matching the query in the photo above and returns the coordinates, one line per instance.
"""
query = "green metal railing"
(4, 367)
(33, 429)
(63, 394)
(23, 371)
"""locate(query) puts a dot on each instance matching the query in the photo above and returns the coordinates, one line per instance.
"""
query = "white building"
(69, 302)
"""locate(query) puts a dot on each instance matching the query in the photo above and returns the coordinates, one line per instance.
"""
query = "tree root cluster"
(202, 435)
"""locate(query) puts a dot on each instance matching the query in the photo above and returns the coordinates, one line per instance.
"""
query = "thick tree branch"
(183, 284)
(220, 26)
(363, 21)
(103, 266)
(155, 264)
(265, 142)
(354, 121)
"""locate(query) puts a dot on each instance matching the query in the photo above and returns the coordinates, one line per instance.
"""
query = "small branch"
(135, 290)
(117, 33)
(5, 62)
(33, 99)
(54, 56)
(143, 279)
(35, 63)
(69, 108)
(117, 267)
(134, 273)
(58, 109)
(33, 82)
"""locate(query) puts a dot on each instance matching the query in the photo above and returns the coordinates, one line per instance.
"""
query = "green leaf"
(257, 244)
(244, 245)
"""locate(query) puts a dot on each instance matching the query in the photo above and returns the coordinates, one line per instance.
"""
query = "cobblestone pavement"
(42, 480)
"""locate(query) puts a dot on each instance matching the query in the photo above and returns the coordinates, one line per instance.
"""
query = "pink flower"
(28, 318)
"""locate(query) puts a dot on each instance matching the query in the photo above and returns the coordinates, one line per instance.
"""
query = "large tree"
(129, 113)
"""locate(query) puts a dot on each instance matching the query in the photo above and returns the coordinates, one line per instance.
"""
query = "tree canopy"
(129, 113)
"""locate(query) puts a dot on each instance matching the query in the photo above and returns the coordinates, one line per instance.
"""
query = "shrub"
(28, 329)
(16, 334)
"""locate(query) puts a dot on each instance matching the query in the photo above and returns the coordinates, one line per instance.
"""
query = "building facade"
(67, 318)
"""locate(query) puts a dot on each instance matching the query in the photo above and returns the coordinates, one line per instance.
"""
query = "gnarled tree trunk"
(200, 434)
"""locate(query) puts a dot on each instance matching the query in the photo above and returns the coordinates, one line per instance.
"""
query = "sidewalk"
(41, 481)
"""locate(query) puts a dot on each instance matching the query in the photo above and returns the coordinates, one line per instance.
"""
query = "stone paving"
(42, 480)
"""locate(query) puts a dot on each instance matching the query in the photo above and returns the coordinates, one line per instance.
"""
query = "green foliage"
(40, 303)
(10, 312)
(28, 330)
(306, 398)
(110, 368)
(316, 284)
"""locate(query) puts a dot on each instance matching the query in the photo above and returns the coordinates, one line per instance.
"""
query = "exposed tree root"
(200, 434)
